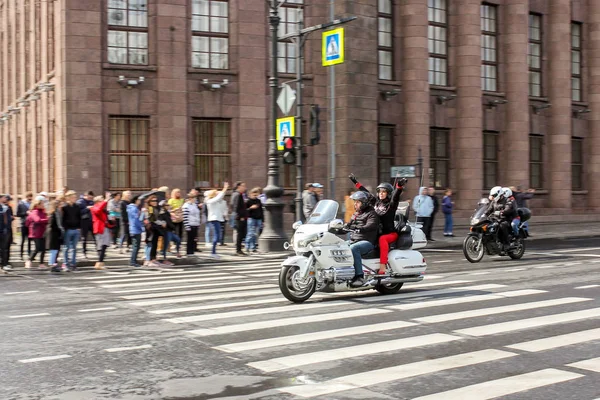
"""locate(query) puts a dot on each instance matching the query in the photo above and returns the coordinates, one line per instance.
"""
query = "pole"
(299, 63)
(332, 116)
(273, 236)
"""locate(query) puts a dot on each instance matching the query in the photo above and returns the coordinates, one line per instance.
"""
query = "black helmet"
(385, 186)
(362, 197)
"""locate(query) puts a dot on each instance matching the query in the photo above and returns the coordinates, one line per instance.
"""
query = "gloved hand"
(402, 182)
(353, 178)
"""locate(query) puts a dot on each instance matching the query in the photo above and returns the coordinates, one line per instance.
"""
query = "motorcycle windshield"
(325, 212)
(481, 208)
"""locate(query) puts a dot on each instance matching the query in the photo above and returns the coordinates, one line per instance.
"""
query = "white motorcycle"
(324, 262)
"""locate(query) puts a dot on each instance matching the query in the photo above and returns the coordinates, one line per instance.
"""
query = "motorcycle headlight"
(474, 221)
(308, 240)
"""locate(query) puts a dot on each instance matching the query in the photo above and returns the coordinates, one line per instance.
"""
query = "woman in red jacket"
(101, 226)
(37, 222)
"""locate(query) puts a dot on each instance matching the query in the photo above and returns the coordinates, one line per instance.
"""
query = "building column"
(415, 84)
(468, 135)
(593, 138)
(559, 93)
(516, 135)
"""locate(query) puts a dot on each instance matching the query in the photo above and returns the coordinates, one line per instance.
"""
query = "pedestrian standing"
(209, 230)
(114, 214)
(216, 214)
(135, 229)
(101, 227)
(447, 206)
(176, 209)
(125, 239)
(37, 222)
(191, 222)
(308, 200)
(436, 207)
(169, 232)
(5, 237)
(239, 215)
(56, 234)
(22, 212)
(71, 218)
(86, 202)
(423, 206)
(8, 213)
(255, 219)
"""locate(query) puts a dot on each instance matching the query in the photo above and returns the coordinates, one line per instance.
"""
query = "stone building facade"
(135, 94)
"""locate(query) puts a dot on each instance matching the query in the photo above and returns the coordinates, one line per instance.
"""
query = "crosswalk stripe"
(188, 292)
(219, 306)
(587, 287)
(260, 311)
(281, 363)
(527, 323)
(153, 283)
(313, 336)
(204, 298)
(505, 386)
(275, 273)
(557, 341)
(466, 299)
(199, 285)
(384, 375)
(409, 295)
(499, 310)
(161, 278)
(593, 364)
(251, 326)
(448, 283)
(578, 249)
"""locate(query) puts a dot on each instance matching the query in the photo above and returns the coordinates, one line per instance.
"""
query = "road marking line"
(200, 285)
(81, 288)
(514, 269)
(312, 336)
(384, 375)
(188, 292)
(32, 360)
(506, 386)
(259, 311)
(30, 291)
(219, 306)
(28, 315)
(202, 298)
(570, 264)
(587, 287)
(274, 273)
(578, 249)
(480, 273)
(281, 363)
(466, 299)
(431, 319)
(548, 266)
(116, 349)
(97, 309)
(421, 285)
(593, 364)
(557, 341)
(527, 323)
(245, 327)
(430, 293)
(153, 283)
(161, 278)
(442, 262)
(427, 277)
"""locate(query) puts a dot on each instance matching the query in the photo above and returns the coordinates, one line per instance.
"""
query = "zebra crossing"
(470, 338)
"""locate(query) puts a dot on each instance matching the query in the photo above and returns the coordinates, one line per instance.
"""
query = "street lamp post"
(273, 236)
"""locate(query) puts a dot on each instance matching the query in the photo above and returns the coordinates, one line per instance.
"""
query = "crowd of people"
(58, 222)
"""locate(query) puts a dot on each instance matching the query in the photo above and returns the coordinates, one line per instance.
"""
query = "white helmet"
(506, 192)
(495, 192)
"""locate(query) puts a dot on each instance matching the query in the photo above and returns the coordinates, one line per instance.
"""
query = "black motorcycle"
(484, 235)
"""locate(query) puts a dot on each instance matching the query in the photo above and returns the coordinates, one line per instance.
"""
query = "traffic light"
(315, 135)
(289, 150)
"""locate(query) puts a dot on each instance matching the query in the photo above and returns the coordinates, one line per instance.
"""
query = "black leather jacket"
(365, 226)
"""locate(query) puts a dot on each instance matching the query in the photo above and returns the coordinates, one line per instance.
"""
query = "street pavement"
(510, 329)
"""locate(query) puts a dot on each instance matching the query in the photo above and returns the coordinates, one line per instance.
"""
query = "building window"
(490, 159)
(128, 32)
(210, 34)
(577, 163)
(385, 154)
(129, 153)
(439, 157)
(576, 61)
(438, 42)
(535, 55)
(536, 161)
(384, 40)
(291, 13)
(489, 45)
(212, 153)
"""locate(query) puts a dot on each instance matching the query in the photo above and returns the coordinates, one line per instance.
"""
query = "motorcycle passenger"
(363, 226)
(385, 206)
(508, 214)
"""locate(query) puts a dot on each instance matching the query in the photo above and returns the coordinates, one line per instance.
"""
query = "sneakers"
(66, 268)
(215, 256)
(99, 266)
(357, 282)
(240, 253)
(7, 268)
(55, 268)
(166, 262)
(135, 266)
(42, 266)
(154, 264)
(28, 264)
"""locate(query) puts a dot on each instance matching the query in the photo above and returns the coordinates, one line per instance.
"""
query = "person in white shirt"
(216, 214)
(191, 223)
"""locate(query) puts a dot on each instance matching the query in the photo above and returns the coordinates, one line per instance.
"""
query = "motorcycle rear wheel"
(292, 287)
(519, 252)
(472, 254)
(390, 288)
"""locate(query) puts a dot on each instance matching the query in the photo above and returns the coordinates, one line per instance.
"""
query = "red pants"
(384, 246)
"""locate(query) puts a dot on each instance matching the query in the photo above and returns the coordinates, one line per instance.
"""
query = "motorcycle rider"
(385, 206)
(506, 213)
(363, 226)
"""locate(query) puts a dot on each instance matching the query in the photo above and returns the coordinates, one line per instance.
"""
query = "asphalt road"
(526, 329)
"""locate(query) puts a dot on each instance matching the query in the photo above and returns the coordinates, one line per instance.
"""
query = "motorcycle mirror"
(296, 225)
(336, 225)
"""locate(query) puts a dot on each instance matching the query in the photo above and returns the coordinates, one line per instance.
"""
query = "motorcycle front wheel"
(293, 287)
(472, 253)
(519, 251)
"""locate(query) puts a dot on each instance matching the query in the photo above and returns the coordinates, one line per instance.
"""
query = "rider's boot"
(357, 282)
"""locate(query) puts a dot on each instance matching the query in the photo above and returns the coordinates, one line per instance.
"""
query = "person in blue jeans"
(364, 226)
(255, 219)
(135, 229)
(72, 226)
(447, 206)
(216, 211)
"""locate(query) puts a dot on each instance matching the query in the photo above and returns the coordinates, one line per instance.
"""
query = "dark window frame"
(535, 71)
(438, 76)
(382, 49)
(490, 162)
(576, 94)
(385, 157)
(210, 35)
(210, 154)
(129, 153)
(436, 159)
(536, 161)
(286, 63)
(489, 69)
(577, 163)
(127, 29)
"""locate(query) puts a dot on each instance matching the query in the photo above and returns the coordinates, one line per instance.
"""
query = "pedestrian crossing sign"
(333, 47)
(285, 128)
